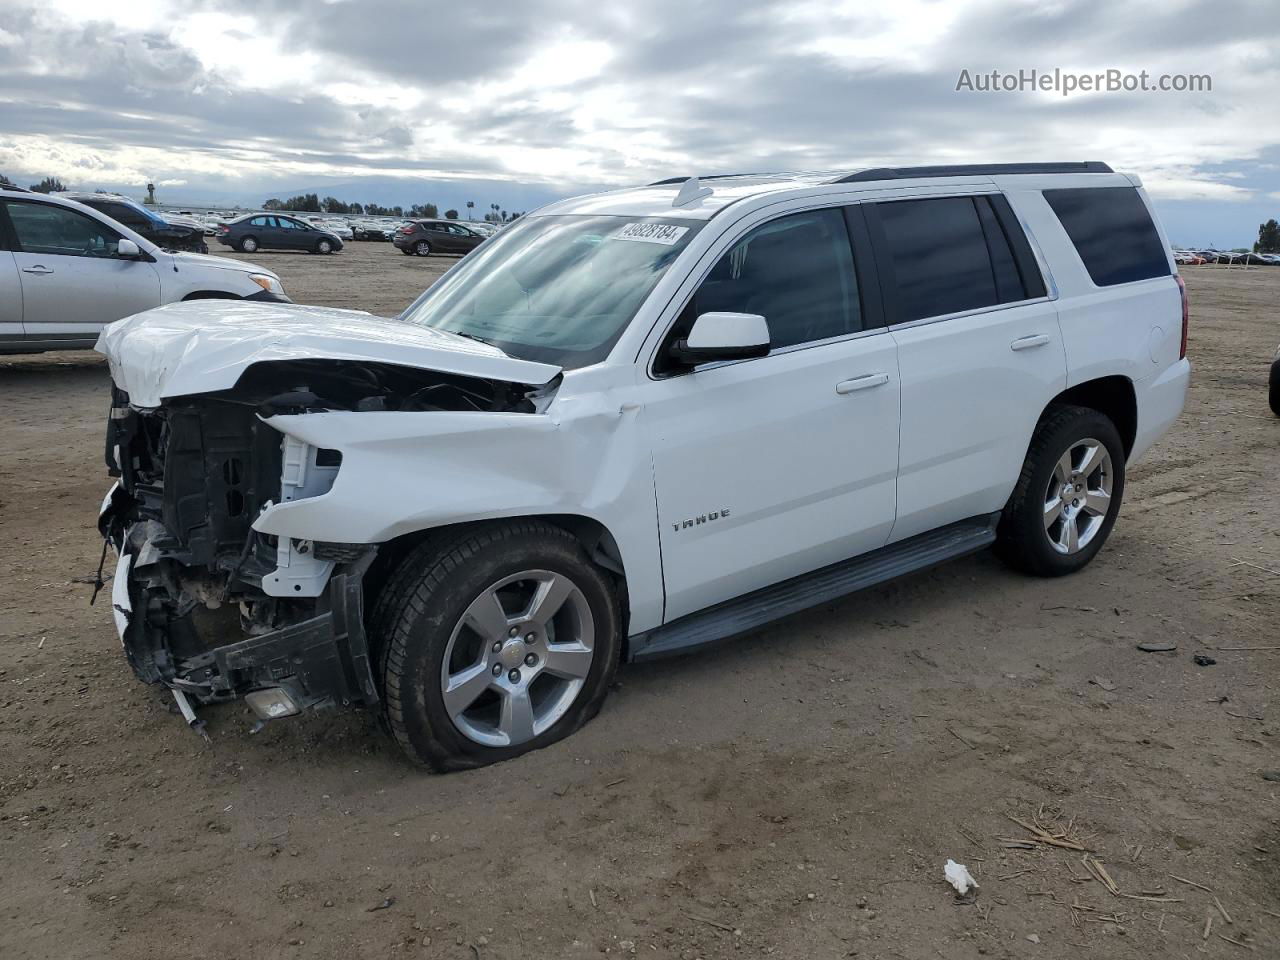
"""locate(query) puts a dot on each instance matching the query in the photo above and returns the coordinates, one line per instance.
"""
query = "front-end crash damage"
(207, 604)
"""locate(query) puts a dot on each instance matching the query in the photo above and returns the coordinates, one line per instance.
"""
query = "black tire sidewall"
(248, 240)
(426, 725)
(1028, 522)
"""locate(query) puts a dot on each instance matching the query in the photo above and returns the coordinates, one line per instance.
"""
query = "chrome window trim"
(961, 314)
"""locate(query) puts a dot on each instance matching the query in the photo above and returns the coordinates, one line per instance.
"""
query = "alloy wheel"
(1078, 496)
(517, 658)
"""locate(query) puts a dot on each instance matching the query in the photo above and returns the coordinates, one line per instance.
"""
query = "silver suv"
(67, 270)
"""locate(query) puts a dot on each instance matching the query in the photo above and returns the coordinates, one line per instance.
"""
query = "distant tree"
(1268, 237)
(451, 214)
(471, 205)
(275, 203)
(503, 215)
(397, 211)
(430, 211)
(334, 205)
(49, 185)
(303, 203)
(356, 208)
(4, 179)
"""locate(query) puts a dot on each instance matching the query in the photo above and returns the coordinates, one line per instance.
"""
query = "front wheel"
(324, 246)
(501, 640)
(1067, 496)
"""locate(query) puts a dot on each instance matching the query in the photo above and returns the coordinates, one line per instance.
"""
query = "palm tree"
(471, 205)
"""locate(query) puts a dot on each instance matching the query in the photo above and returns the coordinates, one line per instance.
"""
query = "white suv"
(66, 271)
(632, 424)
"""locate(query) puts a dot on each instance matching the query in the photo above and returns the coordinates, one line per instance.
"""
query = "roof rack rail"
(972, 170)
(672, 181)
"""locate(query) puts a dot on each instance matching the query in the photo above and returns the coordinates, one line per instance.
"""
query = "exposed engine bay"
(213, 608)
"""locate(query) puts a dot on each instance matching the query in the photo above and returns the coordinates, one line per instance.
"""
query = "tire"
(422, 248)
(1043, 533)
(426, 625)
(1273, 392)
(248, 244)
(324, 246)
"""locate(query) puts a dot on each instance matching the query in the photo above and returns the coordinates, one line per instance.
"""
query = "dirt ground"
(794, 794)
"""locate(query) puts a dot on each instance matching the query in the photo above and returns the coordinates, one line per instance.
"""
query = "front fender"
(404, 472)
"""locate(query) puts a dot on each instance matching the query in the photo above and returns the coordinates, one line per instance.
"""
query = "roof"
(701, 198)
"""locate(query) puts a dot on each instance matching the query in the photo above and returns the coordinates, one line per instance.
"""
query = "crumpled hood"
(199, 346)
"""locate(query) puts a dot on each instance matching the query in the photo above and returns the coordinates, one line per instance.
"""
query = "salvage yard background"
(792, 794)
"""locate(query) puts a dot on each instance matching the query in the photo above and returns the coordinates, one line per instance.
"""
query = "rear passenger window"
(952, 254)
(1113, 233)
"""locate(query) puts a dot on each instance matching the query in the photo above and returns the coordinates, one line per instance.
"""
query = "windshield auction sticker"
(666, 234)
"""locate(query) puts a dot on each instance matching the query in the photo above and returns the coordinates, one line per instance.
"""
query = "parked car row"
(1193, 257)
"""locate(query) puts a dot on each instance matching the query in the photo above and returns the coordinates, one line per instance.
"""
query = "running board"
(746, 613)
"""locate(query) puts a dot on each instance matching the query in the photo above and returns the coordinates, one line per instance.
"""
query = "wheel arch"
(212, 295)
(1114, 397)
(597, 540)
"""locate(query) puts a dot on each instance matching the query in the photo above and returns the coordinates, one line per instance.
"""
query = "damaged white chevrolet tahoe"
(632, 424)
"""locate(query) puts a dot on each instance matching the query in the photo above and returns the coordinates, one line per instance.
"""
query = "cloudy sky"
(521, 101)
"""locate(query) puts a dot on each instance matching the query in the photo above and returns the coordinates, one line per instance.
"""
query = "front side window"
(46, 229)
(796, 271)
(557, 289)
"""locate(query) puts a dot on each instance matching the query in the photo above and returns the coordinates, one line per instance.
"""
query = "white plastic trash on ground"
(958, 876)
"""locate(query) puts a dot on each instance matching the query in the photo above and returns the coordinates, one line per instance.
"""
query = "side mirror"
(723, 336)
(126, 249)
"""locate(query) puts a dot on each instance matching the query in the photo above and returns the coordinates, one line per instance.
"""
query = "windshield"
(558, 289)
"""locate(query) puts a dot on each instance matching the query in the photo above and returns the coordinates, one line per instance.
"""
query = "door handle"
(1026, 343)
(864, 382)
(39, 268)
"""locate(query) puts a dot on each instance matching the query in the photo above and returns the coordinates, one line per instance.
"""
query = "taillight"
(1186, 314)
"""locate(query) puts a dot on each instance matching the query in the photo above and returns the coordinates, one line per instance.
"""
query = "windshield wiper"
(474, 336)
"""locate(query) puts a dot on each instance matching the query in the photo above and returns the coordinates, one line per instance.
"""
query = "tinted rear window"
(1112, 232)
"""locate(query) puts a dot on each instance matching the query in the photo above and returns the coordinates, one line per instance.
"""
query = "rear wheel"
(497, 642)
(422, 248)
(248, 244)
(1067, 496)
